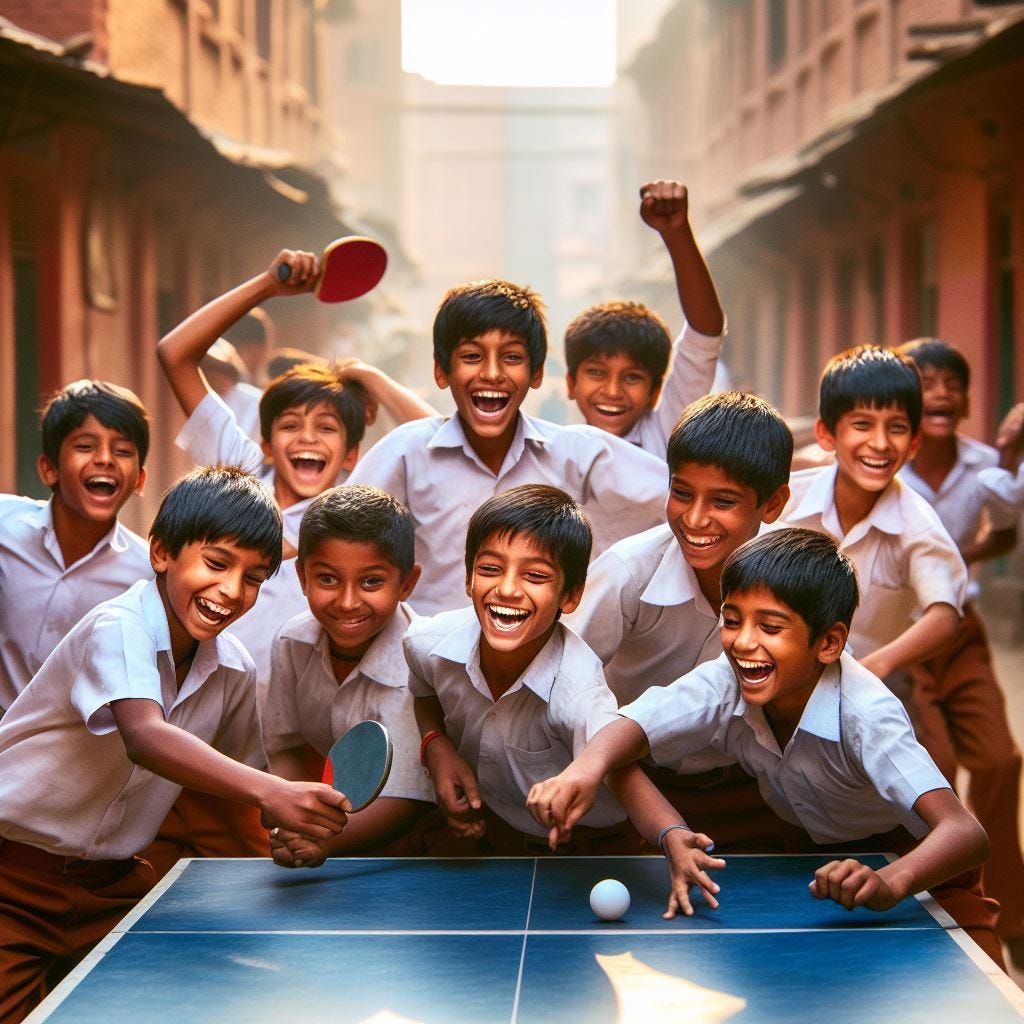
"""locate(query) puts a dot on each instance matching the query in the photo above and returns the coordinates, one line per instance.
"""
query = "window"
(776, 32)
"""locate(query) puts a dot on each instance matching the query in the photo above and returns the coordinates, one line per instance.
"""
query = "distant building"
(151, 154)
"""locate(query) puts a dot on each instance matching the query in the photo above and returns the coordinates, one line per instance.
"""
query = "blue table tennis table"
(513, 939)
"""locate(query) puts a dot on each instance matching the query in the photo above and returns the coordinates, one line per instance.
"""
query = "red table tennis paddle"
(359, 763)
(349, 267)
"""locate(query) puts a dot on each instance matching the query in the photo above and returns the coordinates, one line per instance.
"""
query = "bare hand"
(303, 272)
(688, 866)
(1010, 437)
(852, 884)
(458, 797)
(311, 809)
(290, 850)
(664, 205)
(559, 803)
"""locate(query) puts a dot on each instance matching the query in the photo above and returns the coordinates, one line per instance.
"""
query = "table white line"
(522, 951)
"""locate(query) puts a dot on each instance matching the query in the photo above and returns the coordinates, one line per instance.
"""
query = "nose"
(612, 385)
(695, 515)
(348, 596)
(232, 584)
(879, 439)
(507, 583)
(744, 638)
(491, 368)
(104, 454)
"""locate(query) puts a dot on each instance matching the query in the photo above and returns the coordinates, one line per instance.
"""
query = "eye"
(680, 495)
(487, 569)
(535, 576)
(725, 503)
(216, 564)
(469, 357)
(633, 378)
(730, 623)
(82, 446)
(328, 427)
(372, 583)
(255, 579)
(514, 358)
(325, 579)
(594, 373)
(899, 428)
(770, 630)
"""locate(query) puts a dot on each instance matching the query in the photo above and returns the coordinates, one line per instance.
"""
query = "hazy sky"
(510, 42)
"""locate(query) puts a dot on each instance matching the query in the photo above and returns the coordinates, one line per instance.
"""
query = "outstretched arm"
(955, 844)
(181, 350)
(919, 642)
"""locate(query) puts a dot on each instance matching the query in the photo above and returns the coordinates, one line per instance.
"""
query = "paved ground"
(1010, 670)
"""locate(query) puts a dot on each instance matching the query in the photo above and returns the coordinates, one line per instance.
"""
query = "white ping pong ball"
(609, 899)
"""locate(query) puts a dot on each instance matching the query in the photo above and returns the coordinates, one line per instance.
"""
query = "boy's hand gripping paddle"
(359, 763)
(349, 267)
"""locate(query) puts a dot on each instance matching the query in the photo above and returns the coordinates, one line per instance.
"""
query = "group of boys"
(705, 672)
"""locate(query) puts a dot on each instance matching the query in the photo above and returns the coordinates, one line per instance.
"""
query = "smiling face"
(612, 391)
(96, 473)
(206, 587)
(353, 591)
(489, 377)
(768, 646)
(308, 448)
(517, 590)
(944, 402)
(711, 514)
(871, 445)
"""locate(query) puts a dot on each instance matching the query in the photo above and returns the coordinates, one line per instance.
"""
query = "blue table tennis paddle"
(359, 763)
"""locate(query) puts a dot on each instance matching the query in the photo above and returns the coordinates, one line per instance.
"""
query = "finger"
(332, 797)
(682, 894)
(673, 907)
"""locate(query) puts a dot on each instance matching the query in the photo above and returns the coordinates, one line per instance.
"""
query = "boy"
(489, 348)
(912, 577)
(832, 749)
(617, 353)
(311, 420)
(341, 663)
(505, 695)
(650, 611)
(957, 704)
(142, 697)
(62, 557)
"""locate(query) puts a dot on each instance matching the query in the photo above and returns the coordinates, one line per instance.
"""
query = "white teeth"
(490, 394)
(752, 664)
(102, 480)
(610, 410)
(701, 542)
(311, 456)
(212, 612)
(875, 463)
(515, 613)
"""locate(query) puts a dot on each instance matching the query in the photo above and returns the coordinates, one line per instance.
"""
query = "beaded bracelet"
(665, 831)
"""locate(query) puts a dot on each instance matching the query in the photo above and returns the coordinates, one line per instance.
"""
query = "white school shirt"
(304, 703)
(1004, 487)
(429, 466)
(66, 783)
(905, 559)
(532, 731)
(852, 768)
(644, 615)
(691, 375)
(961, 498)
(243, 399)
(40, 597)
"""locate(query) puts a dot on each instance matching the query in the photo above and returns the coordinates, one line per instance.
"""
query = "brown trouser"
(200, 825)
(53, 910)
(960, 718)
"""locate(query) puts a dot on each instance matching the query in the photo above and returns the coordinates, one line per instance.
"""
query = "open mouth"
(875, 465)
(754, 673)
(938, 417)
(101, 486)
(610, 410)
(701, 543)
(308, 463)
(505, 618)
(490, 402)
(348, 624)
(212, 613)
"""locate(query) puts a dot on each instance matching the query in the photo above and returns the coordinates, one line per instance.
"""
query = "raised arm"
(398, 401)
(182, 349)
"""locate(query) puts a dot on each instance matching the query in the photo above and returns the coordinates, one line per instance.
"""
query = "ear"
(141, 482)
(824, 436)
(831, 643)
(351, 457)
(538, 377)
(265, 446)
(409, 583)
(159, 556)
(570, 601)
(47, 471)
(772, 508)
(300, 571)
(915, 443)
(440, 377)
(653, 400)
(570, 386)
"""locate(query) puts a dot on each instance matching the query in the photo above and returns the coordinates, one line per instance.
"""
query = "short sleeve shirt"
(429, 466)
(66, 783)
(644, 615)
(852, 768)
(532, 731)
(905, 559)
(304, 703)
(41, 598)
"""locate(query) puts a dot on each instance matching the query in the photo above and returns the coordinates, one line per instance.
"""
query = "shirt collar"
(452, 435)
(674, 583)
(384, 662)
(819, 500)
(820, 715)
(41, 517)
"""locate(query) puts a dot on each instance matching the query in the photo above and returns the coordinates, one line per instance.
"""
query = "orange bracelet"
(425, 742)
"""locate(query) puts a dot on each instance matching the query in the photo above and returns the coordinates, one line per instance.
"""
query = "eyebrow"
(732, 492)
(531, 559)
(774, 613)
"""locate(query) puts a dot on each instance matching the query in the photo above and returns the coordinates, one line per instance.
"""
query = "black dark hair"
(611, 328)
(472, 309)
(739, 433)
(938, 355)
(307, 385)
(217, 502)
(357, 512)
(802, 568)
(115, 407)
(544, 514)
(869, 376)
